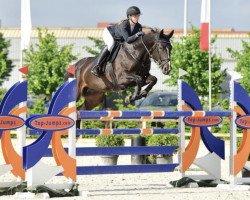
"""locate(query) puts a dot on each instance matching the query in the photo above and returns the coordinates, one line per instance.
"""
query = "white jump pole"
(72, 131)
(181, 125)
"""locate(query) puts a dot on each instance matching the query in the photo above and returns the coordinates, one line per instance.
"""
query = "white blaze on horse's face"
(166, 35)
(168, 61)
(161, 56)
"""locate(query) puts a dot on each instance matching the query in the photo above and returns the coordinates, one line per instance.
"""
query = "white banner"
(26, 26)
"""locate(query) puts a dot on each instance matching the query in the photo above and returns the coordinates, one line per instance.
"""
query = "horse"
(130, 68)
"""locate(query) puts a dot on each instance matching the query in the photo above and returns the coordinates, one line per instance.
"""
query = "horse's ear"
(165, 33)
(170, 34)
(161, 35)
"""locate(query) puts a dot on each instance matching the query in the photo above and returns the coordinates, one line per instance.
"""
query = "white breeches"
(108, 39)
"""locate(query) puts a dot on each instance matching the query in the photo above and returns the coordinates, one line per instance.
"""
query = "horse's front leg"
(139, 83)
(150, 81)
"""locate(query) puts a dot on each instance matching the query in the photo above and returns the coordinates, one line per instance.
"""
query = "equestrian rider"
(127, 30)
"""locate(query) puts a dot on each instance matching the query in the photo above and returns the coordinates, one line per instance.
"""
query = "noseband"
(162, 61)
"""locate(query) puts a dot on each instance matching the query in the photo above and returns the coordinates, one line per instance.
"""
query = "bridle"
(152, 49)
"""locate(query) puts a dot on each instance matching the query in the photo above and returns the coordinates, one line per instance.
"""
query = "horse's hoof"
(144, 93)
(127, 99)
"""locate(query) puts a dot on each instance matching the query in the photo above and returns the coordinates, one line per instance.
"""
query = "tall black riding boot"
(101, 59)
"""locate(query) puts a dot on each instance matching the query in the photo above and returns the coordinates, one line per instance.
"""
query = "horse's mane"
(152, 34)
(147, 30)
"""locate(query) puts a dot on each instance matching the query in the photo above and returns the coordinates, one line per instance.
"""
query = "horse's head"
(161, 48)
(162, 53)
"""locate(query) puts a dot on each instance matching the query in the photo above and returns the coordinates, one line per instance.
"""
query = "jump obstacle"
(60, 120)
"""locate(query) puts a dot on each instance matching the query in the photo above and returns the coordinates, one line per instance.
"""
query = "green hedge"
(160, 140)
(109, 140)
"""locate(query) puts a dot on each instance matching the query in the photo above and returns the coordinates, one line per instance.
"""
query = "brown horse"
(131, 68)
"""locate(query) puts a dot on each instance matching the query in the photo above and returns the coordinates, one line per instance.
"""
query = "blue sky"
(156, 13)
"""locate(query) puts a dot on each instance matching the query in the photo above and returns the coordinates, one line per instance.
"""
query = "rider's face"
(135, 18)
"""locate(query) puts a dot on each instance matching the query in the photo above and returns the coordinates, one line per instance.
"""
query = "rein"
(162, 62)
(150, 55)
(152, 49)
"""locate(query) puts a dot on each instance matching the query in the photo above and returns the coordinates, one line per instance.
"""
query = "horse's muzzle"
(166, 68)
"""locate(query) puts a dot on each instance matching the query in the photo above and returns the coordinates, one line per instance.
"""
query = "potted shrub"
(109, 141)
(162, 140)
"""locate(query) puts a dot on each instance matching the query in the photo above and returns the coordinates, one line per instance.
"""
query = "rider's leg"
(101, 59)
(109, 41)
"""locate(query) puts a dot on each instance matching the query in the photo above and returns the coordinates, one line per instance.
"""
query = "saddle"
(114, 52)
(108, 68)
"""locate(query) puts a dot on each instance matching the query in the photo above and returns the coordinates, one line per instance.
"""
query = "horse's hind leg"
(81, 107)
(91, 100)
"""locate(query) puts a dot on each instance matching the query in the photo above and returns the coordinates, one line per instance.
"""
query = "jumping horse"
(129, 69)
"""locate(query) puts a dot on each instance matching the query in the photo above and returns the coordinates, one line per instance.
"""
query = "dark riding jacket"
(122, 31)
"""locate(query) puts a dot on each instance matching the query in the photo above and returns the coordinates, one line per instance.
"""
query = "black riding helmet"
(133, 10)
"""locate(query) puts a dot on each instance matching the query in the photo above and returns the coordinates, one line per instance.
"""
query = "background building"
(79, 38)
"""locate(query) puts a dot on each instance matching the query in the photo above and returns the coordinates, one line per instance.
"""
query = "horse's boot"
(101, 59)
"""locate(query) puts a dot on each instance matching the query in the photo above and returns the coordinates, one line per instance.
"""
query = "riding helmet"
(133, 10)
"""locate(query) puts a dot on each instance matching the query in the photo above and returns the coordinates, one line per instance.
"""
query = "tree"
(187, 55)
(47, 63)
(2, 93)
(98, 44)
(243, 63)
(5, 64)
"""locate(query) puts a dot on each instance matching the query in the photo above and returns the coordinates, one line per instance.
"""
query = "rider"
(127, 30)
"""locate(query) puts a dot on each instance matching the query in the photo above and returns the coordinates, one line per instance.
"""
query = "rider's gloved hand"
(139, 34)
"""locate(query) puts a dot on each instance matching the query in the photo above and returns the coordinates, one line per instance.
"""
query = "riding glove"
(139, 34)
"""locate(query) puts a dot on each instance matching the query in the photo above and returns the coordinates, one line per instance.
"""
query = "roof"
(222, 33)
(84, 32)
(58, 32)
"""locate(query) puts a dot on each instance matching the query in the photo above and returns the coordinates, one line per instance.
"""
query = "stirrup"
(94, 72)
